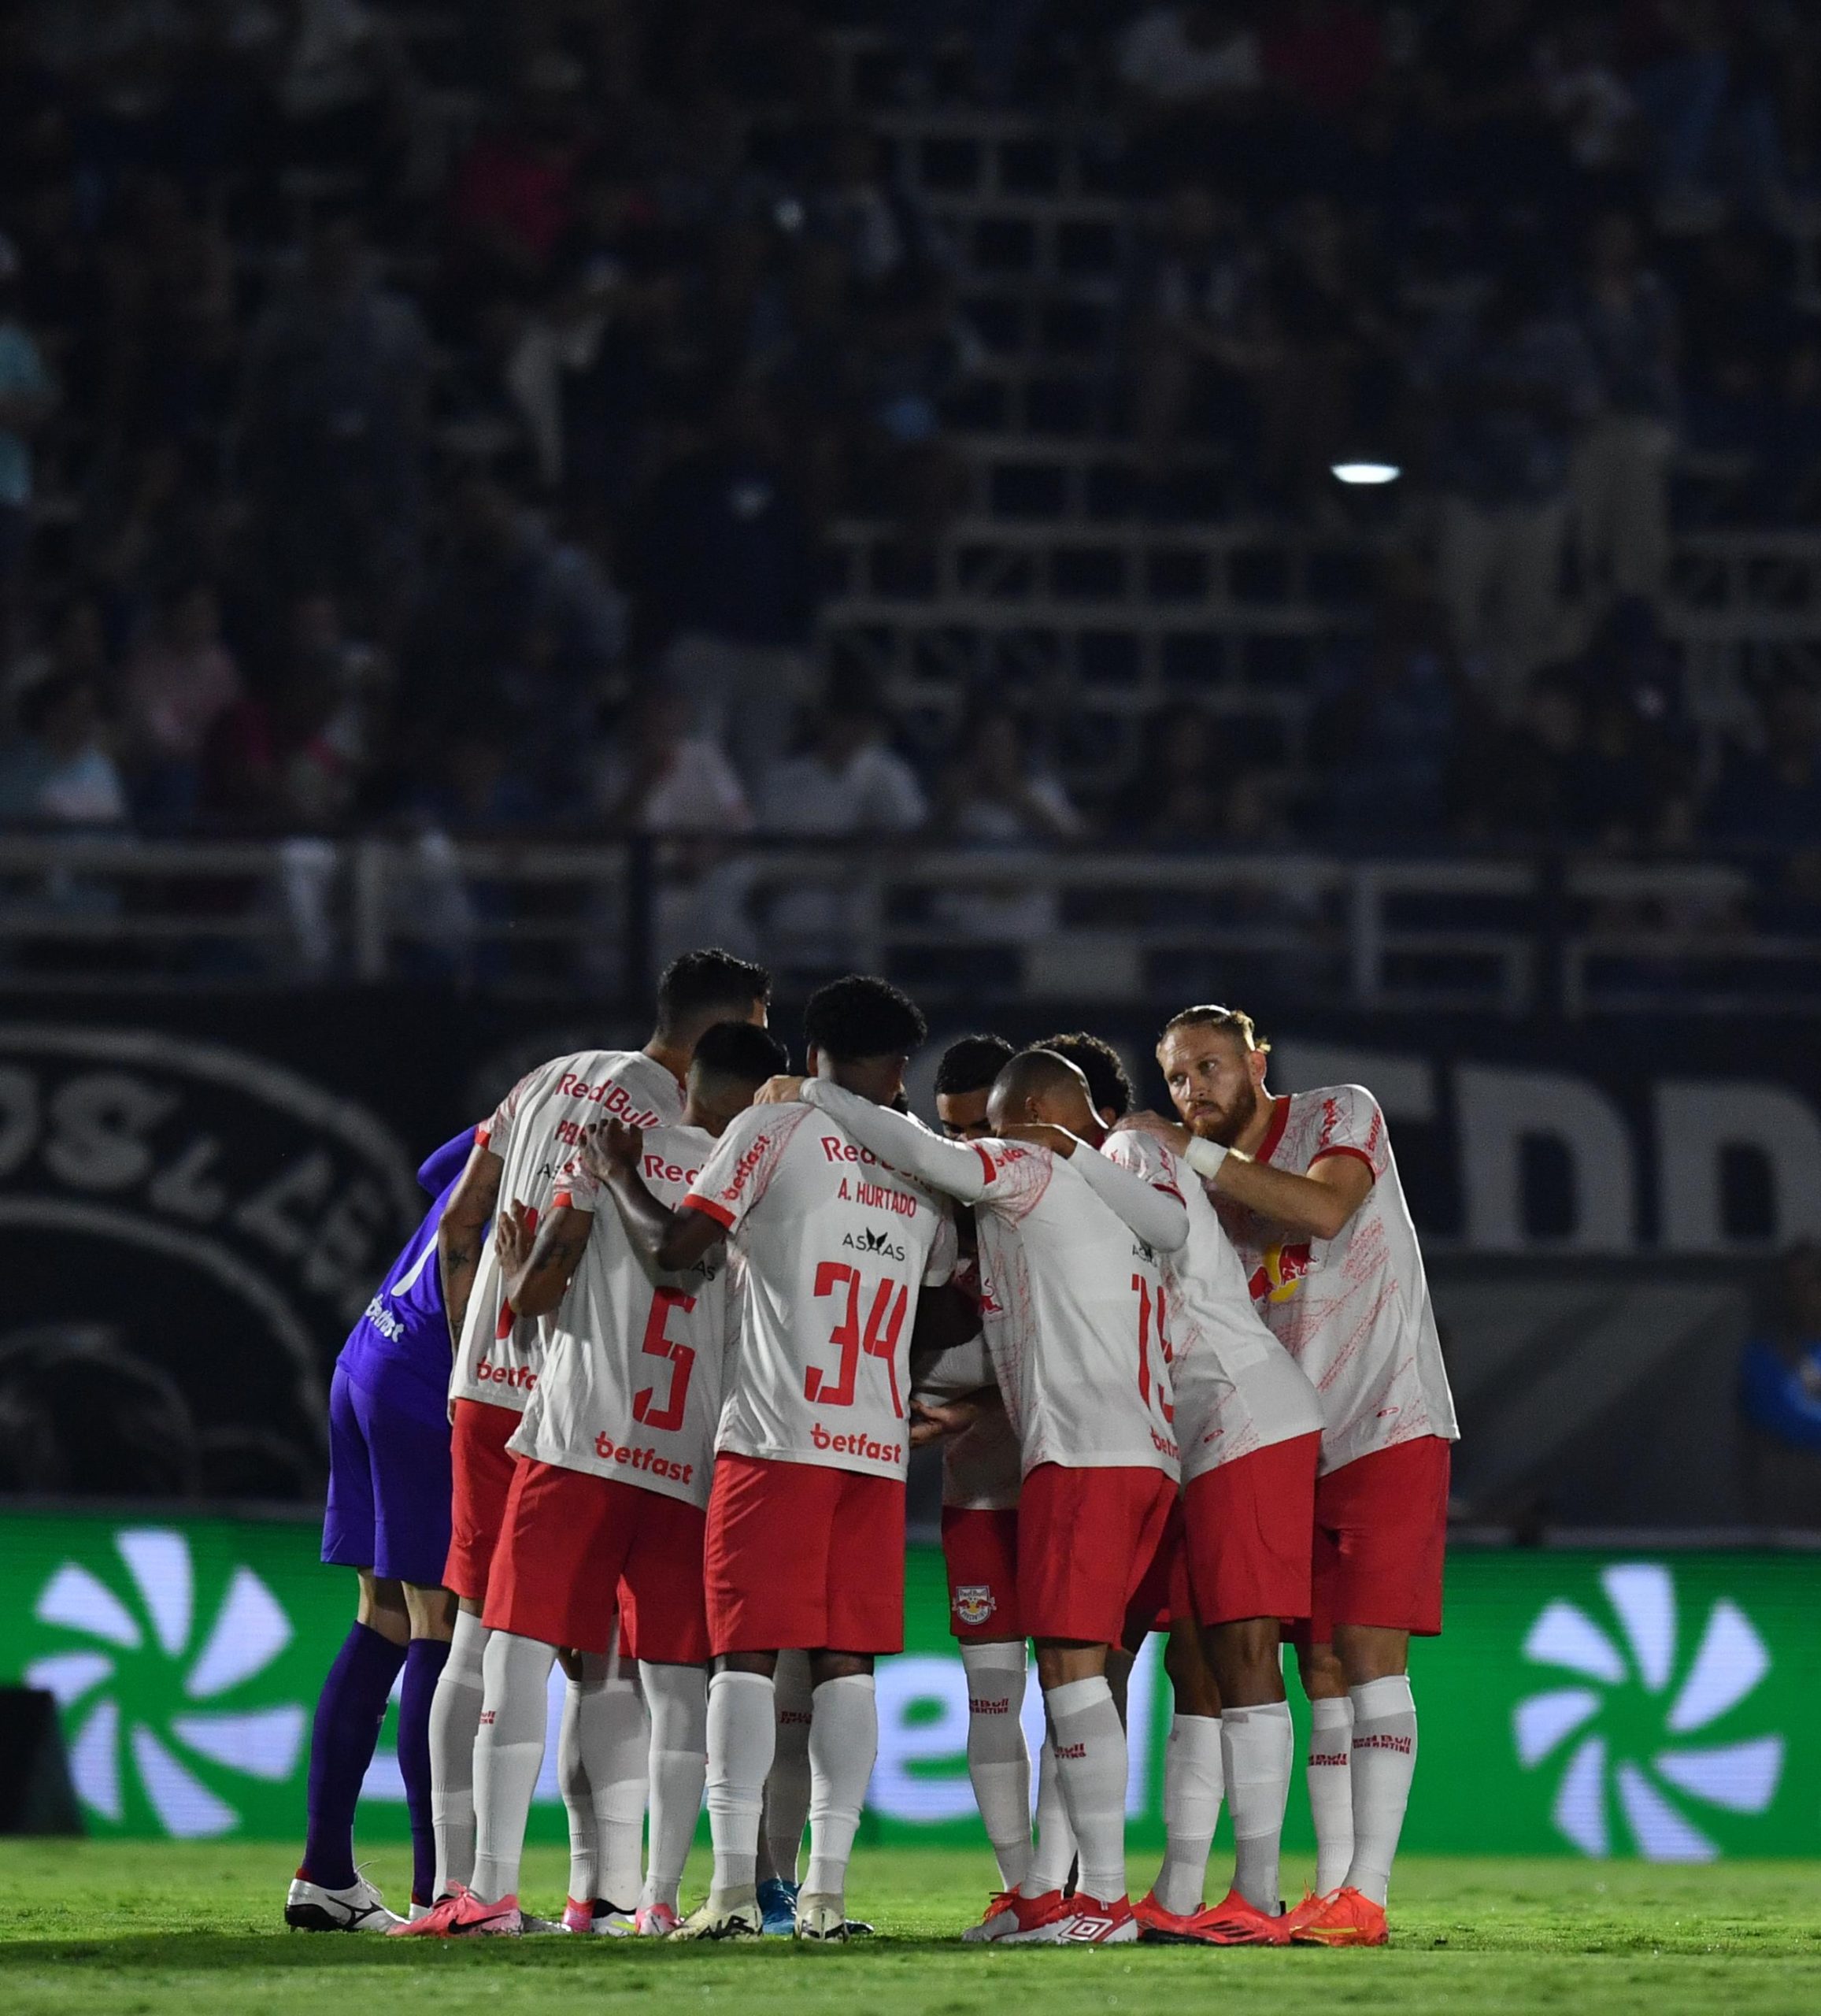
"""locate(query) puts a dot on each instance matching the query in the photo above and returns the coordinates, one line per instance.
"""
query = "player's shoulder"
(560, 1073)
(1337, 1115)
(1019, 1169)
(1136, 1149)
(1332, 1102)
(681, 1133)
(765, 1127)
(675, 1153)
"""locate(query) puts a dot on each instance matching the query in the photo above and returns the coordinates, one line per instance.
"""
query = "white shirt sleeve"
(955, 1167)
(1155, 1211)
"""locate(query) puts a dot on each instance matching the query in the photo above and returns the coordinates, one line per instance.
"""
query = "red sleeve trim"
(483, 1135)
(1170, 1190)
(986, 1163)
(562, 1200)
(721, 1215)
(1358, 1155)
(1274, 1133)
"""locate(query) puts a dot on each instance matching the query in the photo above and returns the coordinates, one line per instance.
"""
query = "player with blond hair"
(1307, 1186)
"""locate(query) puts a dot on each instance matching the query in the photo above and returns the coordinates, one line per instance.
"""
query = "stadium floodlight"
(1364, 472)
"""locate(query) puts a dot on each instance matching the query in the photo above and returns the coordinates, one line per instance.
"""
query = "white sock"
(1192, 1781)
(787, 1785)
(1054, 1857)
(1384, 1763)
(1257, 1749)
(843, 1743)
(454, 1721)
(1331, 1789)
(507, 1754)
(1089, 1740)
(742, 1733)
(578, 1801)
(678, 1699)
(614, 1735)
(998, 1764)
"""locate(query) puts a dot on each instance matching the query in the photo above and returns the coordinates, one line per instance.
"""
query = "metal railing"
(1577, 938)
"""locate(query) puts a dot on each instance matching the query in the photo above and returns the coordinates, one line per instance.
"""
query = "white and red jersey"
(535, 1130)
(1353, 1310)
(1237, 1389)
(1073, 1308)
(630, 1387)
(981, 1471)
(833, 1248)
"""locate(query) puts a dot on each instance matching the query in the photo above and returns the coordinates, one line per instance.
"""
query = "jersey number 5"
(884, 1320)
(682, 1361)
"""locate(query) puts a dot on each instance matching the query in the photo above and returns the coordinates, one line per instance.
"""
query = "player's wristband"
(1205, 1158)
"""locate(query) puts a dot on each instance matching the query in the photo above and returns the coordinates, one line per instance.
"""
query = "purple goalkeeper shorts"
(390, 1487)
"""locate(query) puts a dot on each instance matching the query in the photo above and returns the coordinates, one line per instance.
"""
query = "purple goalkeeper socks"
(424, 1665)
(348, 1712)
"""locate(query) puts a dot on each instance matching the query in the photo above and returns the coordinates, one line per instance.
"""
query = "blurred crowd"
(428, 418)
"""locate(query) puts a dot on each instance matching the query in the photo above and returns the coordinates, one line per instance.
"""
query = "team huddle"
(1185, 1375)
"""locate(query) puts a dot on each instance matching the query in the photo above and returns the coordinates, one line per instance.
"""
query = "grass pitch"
(145, 1930)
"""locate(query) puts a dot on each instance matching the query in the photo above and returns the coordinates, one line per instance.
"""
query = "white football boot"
(359, 1908)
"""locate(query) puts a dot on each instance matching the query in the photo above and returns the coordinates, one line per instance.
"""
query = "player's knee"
(1061, 1660)
(1364, 1653)
(764, 1664)
(381, 1606)
(1323, 1675)
(1192, 1683)
(1245, 1657)
(837, 1665)
(432, 1611)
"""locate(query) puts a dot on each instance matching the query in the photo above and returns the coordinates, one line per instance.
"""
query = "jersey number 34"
(884, 1320)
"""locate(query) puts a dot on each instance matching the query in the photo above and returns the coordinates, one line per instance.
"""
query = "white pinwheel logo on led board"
(141, 1693)
(1636, 1667)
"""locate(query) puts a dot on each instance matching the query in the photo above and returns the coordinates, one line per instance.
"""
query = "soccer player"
(1307, 1186)
(536, 1130)
(786, 1813)
(1249, 1424)
(388, 1520)
(980, 1486)
(615, 1451)
(806, 1516)
(1069, 1244)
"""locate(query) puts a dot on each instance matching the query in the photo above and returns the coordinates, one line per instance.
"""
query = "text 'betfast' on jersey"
(832, 1249)
(630, 1385)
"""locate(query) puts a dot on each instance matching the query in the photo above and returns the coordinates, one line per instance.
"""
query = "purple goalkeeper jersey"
(400, 1351)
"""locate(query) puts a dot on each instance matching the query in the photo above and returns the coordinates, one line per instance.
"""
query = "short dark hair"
(710, 985)
(862, 1016)
(742, 1051)
(970, 1064)
(1211, 1015)
(1108, 1087)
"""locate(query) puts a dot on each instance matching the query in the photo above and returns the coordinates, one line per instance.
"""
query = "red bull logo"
(1279, 1274)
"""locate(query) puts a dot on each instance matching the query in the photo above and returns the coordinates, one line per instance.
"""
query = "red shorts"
(575, 1547)
(482, 1473)
(981, 1549)
(1246, 1529)
(1086, 1541)
(1163, 1596)
(1380, 1534)
(802, 1557)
